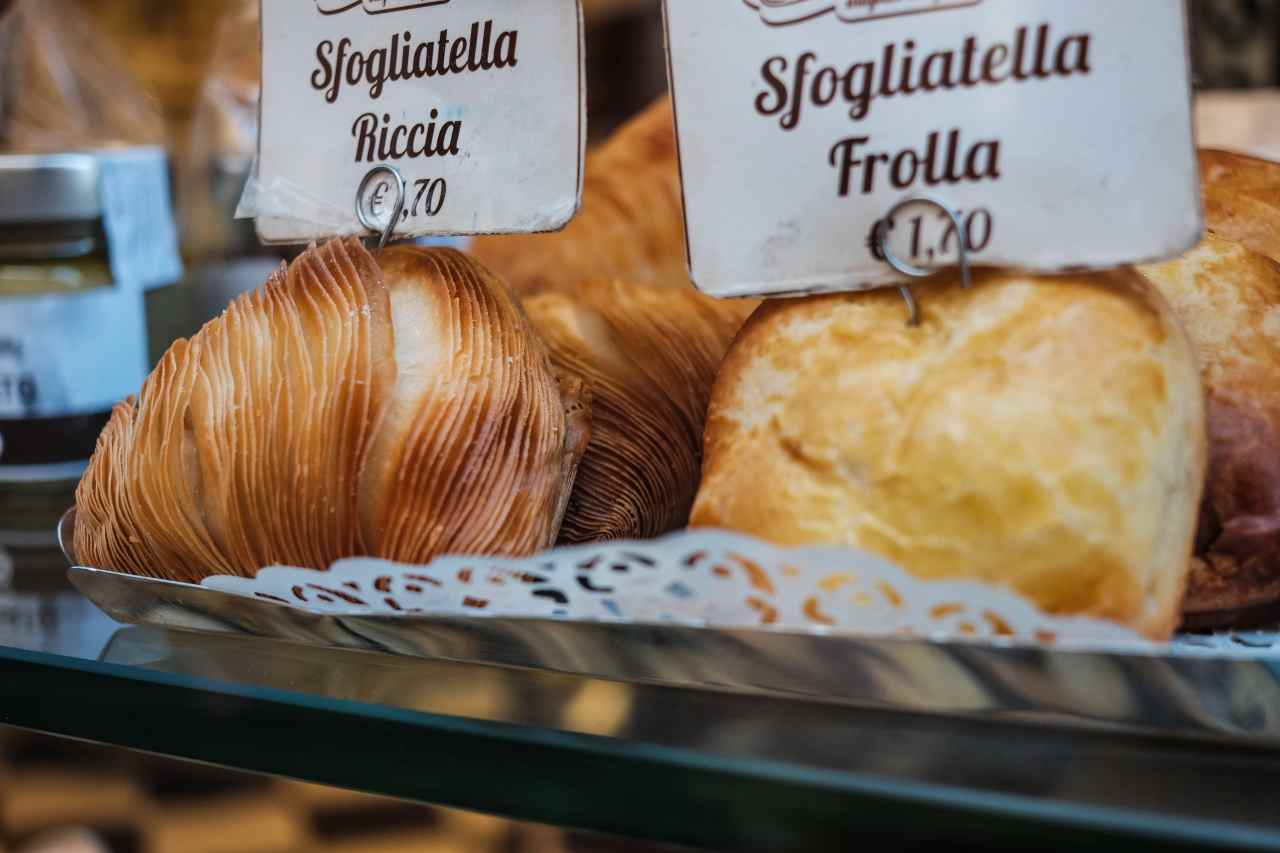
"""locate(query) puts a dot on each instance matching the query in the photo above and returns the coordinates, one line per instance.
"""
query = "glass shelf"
(719, 769)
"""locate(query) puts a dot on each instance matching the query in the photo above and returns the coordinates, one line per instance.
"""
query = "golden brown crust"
(245, 445)
(478, 440)
(1228, 298)
(630, 226)
(334, 412)
(1242, 199)
(649, 358)
(1042, 433)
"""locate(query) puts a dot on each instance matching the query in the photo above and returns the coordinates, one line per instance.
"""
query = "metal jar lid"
(47, 188)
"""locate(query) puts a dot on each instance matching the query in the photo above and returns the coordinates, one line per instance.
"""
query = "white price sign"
(479, 104)
(1059, 133)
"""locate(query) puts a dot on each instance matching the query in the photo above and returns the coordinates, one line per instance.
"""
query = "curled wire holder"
(880, 241)
(364, 207)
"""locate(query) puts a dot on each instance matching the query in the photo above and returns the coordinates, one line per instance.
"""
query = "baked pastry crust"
(1242, 199)
(612, 297)
(630, 227)
(401, 408)
(478, 449)
(1046, 434)
(1228, 298)
(649, 357)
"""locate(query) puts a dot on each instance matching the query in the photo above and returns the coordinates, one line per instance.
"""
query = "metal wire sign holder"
(880, 245)
(367, 202)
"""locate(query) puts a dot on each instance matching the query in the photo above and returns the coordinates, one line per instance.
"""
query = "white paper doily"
(704, 578)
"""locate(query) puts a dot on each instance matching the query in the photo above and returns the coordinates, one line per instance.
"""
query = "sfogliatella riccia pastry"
(649, 358)
(396, 406)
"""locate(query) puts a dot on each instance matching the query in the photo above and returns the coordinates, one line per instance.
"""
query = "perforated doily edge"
(1077, 634)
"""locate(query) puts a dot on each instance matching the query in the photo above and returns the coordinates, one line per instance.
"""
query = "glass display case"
(720, 740)
(969, 746)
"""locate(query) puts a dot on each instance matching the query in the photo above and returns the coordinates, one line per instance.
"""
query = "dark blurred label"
(65, 360)
(49, 441)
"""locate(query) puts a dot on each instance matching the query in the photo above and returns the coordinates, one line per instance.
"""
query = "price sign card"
(479, 104)
(1059, 132)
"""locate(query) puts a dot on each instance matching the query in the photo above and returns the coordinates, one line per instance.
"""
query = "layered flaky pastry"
(400, 408)
(630, 226)
(1045, 434)
(649, 358)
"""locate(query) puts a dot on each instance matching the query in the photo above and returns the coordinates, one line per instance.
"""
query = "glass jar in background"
(73, 334)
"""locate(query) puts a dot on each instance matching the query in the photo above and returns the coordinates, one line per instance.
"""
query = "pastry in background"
(1044, 434)
(630, 227)
(649, 358)
(611, 296)
(398, 407)
(1228, 299)
(64, 86)
(1242, 199)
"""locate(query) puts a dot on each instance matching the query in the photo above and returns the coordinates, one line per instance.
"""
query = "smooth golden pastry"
(1046, 434)
(398, 407)
(649, 358)
(630, 227)
(1228, 298)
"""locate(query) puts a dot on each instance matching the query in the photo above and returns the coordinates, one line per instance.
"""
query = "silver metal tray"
(1175, 693)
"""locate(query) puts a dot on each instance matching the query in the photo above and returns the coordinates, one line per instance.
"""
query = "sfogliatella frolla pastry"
(398, 407)
(1044, 434)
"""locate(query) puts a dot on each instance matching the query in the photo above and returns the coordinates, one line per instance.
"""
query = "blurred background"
(183, 75)
(58, 796)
